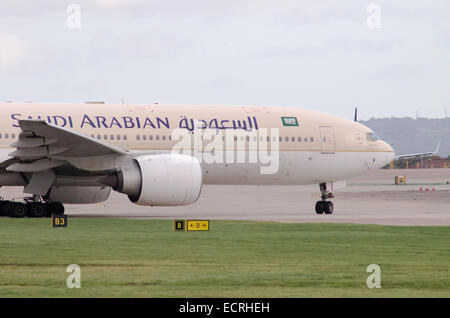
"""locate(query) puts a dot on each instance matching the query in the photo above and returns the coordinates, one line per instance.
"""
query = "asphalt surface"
(372, 198)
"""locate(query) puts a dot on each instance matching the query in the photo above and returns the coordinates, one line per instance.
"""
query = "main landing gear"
(325, 206)
(34, 207)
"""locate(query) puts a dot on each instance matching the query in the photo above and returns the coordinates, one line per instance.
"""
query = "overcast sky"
(319, 54)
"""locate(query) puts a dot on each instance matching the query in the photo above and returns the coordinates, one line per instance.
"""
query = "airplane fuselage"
(312, 147)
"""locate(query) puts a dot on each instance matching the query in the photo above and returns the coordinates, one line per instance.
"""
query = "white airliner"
(77, 153)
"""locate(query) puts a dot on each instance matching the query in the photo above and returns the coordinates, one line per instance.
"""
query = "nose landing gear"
(325, 206)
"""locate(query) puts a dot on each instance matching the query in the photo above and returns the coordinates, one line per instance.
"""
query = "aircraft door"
(327, 141)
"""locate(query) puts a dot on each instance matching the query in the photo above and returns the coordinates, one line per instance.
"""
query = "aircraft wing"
(44, 146)
(418, 155)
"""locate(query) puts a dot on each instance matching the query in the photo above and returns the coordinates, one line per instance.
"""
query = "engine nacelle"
(79, 195)
(161, 180)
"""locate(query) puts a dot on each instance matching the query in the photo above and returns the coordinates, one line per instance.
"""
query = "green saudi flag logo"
(289, 121)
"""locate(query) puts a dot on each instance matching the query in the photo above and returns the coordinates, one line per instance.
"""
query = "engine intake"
(161, 180)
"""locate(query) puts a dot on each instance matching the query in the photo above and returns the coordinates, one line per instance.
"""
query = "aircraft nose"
(388, 147)
(380, 156)
(389, 151)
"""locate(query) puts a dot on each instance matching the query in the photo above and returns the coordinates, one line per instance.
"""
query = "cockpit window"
(371, 136)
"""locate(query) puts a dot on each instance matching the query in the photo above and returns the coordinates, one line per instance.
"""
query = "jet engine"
(161, 180)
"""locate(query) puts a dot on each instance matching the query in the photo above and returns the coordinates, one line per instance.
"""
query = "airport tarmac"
(372, 198)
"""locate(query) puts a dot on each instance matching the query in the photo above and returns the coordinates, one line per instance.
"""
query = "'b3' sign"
(59, 220)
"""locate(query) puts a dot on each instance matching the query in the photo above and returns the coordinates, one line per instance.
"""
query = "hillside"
(408, 135)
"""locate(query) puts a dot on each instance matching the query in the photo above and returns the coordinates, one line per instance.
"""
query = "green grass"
(146, 258)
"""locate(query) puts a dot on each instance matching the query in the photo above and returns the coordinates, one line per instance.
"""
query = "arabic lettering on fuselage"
(190, 124)
(93, 121)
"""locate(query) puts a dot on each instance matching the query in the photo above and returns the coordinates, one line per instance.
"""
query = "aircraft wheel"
(5, 207)
(319, 207)
(17, 210)
(36, 210)
(55, 208)
(2, 213)
(328, 207)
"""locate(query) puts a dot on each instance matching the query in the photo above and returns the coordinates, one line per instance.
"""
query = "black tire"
(2, 203)
(6, 206)
(17, 210)
(36, 210)
(328, 207)
(48, 210)
(319, 207)
(55, 208)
